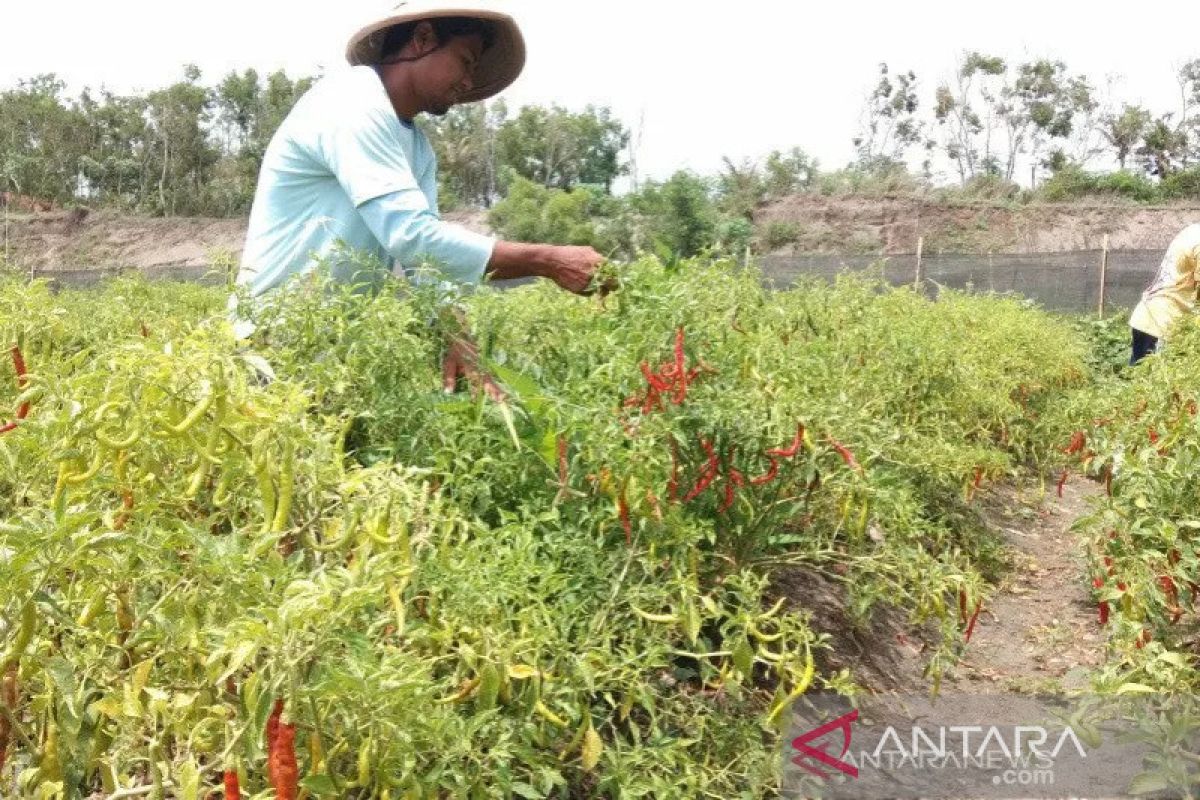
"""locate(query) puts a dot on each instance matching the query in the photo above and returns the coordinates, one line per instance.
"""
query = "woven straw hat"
(498, 67)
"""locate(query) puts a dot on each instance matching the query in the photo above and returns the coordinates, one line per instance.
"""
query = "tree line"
(548, 172)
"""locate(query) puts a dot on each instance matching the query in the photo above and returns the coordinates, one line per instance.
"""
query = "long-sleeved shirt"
(346, 184)
(1172, 294)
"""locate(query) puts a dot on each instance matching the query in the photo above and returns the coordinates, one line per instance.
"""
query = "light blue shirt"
(348, 185)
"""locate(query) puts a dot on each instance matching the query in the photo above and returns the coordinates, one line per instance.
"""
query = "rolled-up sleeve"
(363, 153)
(414, 235)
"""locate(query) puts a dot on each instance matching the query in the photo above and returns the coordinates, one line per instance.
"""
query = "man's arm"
(569, 266)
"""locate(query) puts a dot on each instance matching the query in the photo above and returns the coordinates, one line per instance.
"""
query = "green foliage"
(1182, 185)
(42, 140)
(1124, 131)
(1108, 343)
(879, 179)
(1139, 436)
(464, 598)
(779, 233)
(679, 214)
(464, 141)
(533, 213)
(1073, 183)
(557, 148)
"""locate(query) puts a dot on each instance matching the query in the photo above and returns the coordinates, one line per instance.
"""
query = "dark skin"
(430, 77)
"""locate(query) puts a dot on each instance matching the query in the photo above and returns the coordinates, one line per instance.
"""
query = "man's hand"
(571, 267)
(462, 359)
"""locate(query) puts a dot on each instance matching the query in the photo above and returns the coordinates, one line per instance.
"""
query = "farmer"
(348, 173)
(1170, 296)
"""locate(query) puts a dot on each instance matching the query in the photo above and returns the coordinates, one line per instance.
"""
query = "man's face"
(448, 72)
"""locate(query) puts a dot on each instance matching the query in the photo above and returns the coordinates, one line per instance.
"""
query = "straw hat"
(498, 68)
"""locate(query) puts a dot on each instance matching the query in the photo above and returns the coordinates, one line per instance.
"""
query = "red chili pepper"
(1108, 562)
(8, 701)
(978, 477)
(1153, 435)
(1172, 592)
(681, 373)
(769, 475)
(732, 480)
(729, 497)
(1121, 586)
(1062, 481)
(22, 381)
(845, 453)
(975, 616)
(792, 449)
(1143, 639)
(711, 469)
(233, 790)
(962, 606)
(286, 773)
(656, 383)
(562, 461)
(1078, 440)
(272, 735)
(705, 481)
(126, 507)
(1103, 606)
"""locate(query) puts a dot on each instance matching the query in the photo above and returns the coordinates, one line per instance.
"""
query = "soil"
(1037, 632)
(892, 225)
(81, 240)
(77, 239)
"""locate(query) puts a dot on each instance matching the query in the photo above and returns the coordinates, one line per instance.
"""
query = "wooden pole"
(1103, 275)
(919, 278)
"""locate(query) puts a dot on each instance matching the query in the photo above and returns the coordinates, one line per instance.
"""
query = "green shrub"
(1074, 183)
(1182, 185)
(779, 233)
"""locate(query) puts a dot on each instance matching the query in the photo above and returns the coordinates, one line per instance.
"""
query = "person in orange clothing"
(1171, 296)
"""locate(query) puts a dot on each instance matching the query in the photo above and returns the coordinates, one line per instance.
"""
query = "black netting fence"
(1058, 281)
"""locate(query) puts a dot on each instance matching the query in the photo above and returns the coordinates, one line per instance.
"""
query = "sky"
(694, 81)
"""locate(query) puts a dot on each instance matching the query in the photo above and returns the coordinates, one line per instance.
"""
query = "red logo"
(806, 751)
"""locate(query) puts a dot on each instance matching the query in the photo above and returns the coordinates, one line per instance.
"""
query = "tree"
(1164, 147)
(465, 143)
(1041, 105)
(1124, 131)
(678, 214)
(740, 189)
(1189, 117)
(532, 212)
(183, 153)
(116, 169)
(557, 148)
(890, 126)
(966, 114)
(788, 173)
(42, 139)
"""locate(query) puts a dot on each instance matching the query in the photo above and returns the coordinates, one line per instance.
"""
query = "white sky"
(711, 79)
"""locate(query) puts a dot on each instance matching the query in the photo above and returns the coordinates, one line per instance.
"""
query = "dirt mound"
(892, 225)
(79, 240)
(75, 240)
